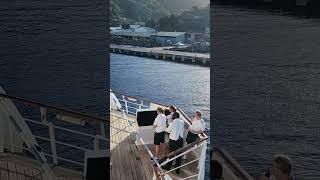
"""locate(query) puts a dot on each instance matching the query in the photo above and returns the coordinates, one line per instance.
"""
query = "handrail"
(180, 150)
(235, 165)
(136, 97)
(54, 108)
(184, 115)
(132, 103)
(65, 129)
(190, 162)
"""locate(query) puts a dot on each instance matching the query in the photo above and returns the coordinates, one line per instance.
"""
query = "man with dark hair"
(281, 169)
(175, 139)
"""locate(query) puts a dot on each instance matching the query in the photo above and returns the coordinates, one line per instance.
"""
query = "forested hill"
(193, 20)
(129, 11)
(177, 6)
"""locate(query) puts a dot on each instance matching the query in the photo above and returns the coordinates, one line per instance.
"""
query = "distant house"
(113, 29)
(197, 37)
(135, 26)
(145, 29)
(169, 38)
(119, 29)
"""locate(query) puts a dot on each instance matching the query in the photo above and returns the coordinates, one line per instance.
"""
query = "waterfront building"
(169, 38)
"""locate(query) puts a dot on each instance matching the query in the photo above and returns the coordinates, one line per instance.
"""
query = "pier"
(163, 54)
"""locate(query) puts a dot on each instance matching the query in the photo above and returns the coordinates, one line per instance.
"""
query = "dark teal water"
(266, 85)
(54, 52)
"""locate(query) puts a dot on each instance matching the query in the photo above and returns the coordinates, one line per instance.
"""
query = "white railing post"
(102, 130)
(43, 112)
(126, 104)
(53, 143)
(96, 143)
(141, 104)
(11, 131)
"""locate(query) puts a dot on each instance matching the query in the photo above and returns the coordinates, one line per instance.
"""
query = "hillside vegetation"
(123, 11)
(128, 11)
(194, 20)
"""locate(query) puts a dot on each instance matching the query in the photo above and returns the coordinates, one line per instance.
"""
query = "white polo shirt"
(175, 129)
(197, 125)
(160, 121)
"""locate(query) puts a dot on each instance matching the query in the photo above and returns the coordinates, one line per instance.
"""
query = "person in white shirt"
(172, 109)
(281, 169)
(197, 127)
(159, 126)
(175, 139)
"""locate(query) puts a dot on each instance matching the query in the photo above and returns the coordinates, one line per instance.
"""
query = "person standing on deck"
(159, 125)
(197, 127)
(175, 139)
(172, 109)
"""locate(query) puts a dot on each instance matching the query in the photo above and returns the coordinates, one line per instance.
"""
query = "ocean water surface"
(266, 86)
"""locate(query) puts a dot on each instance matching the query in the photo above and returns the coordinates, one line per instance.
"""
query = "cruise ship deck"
(132, 149)
(131, 161)
(126, 161)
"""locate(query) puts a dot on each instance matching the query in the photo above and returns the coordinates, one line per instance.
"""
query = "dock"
(162, 54)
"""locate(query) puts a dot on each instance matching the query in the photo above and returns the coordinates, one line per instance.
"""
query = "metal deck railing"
(64, 136)
(229, 162)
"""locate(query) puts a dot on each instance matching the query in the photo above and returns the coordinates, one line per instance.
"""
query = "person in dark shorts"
(197, 127)
(175, 139)
(159, 126)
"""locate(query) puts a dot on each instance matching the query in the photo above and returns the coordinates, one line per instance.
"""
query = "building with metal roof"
(169, 38)
(169, 34)
(133, 34)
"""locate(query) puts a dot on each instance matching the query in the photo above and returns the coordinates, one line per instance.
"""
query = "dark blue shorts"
(158, 138)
